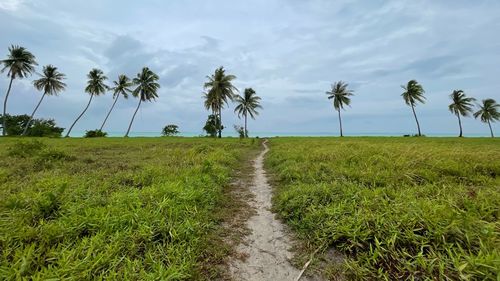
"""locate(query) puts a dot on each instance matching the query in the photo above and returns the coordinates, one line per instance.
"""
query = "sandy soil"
(266, 248)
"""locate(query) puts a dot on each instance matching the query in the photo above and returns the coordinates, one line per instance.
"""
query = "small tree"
(170, 130)
(241, 131)
(212, 125)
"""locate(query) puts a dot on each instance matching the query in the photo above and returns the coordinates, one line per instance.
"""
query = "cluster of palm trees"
(488, 112)
(20, 63)
(220, 90)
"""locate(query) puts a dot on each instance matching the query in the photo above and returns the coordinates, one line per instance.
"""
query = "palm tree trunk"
(105, 119)
(416, 120)
(4, 129)
(460, 125)
(246, 132)
(491, 130)
(220, 123)
(80, 116)
(131, 121)
(32, 114)
(340, 122)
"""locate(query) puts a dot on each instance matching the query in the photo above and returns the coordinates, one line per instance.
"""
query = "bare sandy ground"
(266, 248)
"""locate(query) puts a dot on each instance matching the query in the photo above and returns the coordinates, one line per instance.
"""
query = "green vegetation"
(95, 134)
(397, 208)
(17, 124)
(460, 106)
(124, 209)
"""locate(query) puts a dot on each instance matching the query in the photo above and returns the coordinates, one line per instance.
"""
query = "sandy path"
(267, 246)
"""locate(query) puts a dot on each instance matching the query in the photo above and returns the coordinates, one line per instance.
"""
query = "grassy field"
(126, 209)
(396, 208)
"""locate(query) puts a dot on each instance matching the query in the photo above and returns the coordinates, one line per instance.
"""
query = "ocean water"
(283, 134)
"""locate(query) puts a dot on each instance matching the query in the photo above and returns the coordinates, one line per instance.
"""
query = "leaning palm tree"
(340, 95)
(461, 106)
(147, 88)
(247, 105)
(51, 83)
(489, 112)
(221, 90)
(413, 93)
(121, 88)
(95, 87)
(20, 63)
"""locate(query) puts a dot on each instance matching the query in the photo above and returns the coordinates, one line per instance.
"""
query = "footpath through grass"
(125, 209)
(397, 208)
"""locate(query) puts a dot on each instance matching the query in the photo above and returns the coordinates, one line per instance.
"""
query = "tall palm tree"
(20, 64)
(340, 95)
(95, 87)
(221, 90)
(489, 112)
(247, 105)
(121, 88)
(51, 83)
(413, 94)
(461, 106)
(147, 88)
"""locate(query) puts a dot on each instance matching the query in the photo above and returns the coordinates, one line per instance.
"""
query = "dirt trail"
(266, 248)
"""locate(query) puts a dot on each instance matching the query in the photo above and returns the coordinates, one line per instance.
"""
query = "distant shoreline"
(285, 134)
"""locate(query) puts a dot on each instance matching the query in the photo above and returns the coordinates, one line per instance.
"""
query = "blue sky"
(288, 51)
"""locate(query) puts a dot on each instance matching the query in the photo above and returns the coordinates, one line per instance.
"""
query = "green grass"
(126, 209)
(397, 208)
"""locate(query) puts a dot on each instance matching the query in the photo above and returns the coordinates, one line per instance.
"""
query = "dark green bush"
(95, 134)
(37, 127)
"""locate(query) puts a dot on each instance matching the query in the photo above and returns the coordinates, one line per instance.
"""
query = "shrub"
(241, 131)
(170, 130)
(37, 127)
(26, 149)
(95, 134)
(212, 125)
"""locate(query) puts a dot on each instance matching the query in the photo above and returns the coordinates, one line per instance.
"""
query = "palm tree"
(413, 93)
(461, 106)
(95, 87)
(121, 88)
(20, 64)
(147, 87)
(247, 105)
(489, 112)
(51, 83)
(220, 91)
(340, 95)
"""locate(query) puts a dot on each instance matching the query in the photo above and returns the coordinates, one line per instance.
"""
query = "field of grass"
(124, 209)
(396, 208)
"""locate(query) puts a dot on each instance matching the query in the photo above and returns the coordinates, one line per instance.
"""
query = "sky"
(289, 52)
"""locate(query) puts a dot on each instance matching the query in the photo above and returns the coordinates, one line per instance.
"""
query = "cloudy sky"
(288, 51)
